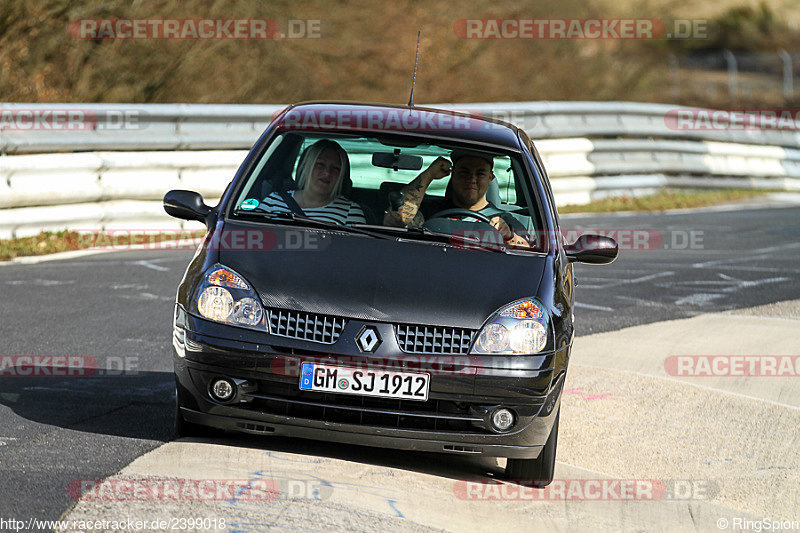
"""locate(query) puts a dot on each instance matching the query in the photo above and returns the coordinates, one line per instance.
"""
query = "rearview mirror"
(187, 205)
(396, 160)
(593, 249)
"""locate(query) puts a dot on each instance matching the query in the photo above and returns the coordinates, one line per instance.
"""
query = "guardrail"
(212, 126)
(120, 159)
(87, 127)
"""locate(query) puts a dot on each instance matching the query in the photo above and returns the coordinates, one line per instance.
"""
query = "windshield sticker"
(249, 204)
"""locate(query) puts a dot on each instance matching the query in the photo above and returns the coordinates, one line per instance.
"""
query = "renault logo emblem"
(368, 339)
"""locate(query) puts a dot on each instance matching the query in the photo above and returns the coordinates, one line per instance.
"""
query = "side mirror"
(593, 249)
(187, 205)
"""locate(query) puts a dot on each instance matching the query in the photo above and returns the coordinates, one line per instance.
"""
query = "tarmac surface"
(695, 450)
(729, 442)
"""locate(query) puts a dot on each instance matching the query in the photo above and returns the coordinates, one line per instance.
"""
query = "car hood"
(386, 280)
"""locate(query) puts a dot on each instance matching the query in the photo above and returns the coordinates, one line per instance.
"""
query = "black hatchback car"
(345, 294)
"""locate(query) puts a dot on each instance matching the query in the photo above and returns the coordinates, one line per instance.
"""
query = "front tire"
(541, 469)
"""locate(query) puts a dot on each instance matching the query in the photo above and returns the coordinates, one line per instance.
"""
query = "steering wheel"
(458, 212)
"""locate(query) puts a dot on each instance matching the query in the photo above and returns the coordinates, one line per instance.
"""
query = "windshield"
(416, 187)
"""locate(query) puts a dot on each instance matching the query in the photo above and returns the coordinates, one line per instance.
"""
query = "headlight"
(247, 311)
(215, 303)
(520, 327)
(225, 296)
(529, 336)
(493, 338)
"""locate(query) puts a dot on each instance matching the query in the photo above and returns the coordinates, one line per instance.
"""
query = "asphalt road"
(696, 262)
(116, 308)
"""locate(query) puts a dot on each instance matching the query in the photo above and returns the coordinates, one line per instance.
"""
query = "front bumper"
(347, 434)
(455, 419)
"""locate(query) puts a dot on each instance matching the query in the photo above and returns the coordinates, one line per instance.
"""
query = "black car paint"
(382, 279)
(381, 282)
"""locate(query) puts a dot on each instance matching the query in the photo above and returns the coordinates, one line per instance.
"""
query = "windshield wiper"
(415, 230)
(423, 233)
(288, 216)
(380, 232)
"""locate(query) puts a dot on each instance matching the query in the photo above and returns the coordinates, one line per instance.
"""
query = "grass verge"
(662, 201)
(63, 241)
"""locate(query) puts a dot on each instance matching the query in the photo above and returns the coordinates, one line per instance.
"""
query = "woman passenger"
(323, 169)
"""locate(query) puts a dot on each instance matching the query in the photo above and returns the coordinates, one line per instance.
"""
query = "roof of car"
(387, 118)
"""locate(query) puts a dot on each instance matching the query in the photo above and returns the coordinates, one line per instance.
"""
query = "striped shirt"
(339, 211)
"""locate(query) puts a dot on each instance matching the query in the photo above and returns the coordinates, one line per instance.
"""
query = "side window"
(504, 174)
(545, 179)
(258, 181)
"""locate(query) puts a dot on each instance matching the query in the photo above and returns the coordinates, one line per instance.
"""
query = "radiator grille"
(434, 339)
(305, 326)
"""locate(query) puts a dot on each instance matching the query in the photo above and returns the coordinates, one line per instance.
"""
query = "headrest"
(457, 154)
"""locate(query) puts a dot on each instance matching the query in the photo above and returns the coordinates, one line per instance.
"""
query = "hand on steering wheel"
(461, 213)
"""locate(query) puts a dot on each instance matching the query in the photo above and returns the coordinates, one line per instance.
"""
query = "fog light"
(502, 419)
(222, 390)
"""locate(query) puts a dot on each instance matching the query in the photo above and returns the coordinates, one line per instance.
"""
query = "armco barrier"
(53, 179)
(212, 126)
(139, 127)
(115, 173)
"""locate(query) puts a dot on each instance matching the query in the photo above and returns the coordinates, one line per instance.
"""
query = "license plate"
(383, 384)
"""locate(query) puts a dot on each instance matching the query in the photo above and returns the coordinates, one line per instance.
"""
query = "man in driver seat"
(472, 173)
